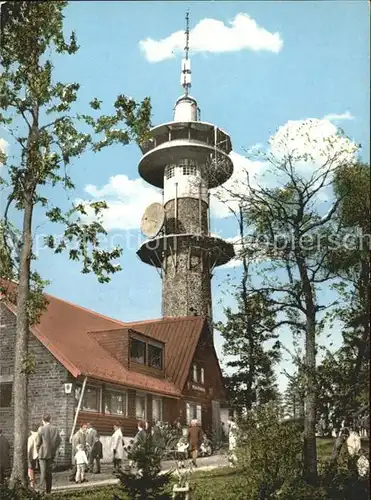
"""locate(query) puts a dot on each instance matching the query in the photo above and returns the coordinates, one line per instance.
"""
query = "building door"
(216, 421)
(193, 411)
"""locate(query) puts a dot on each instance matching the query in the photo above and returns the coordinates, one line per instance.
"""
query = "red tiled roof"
(64, 330)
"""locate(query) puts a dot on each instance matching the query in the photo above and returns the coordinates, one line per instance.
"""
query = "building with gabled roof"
(164, 369)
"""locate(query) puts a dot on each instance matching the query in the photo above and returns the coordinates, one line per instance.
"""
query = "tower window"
(170, 171)
(189, 167)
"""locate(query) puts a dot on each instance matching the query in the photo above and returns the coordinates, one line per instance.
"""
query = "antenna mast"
(186, 63)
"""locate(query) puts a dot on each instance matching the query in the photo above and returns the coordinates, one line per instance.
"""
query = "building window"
(115, 403)
(141, 406)
(138, 351)
(6, 395)
(202, 375)
(157, 409)
(155, 356)
(193, 411)
(194, 375)
(169, 171)
(147, 353)
(189, 167)
(6, 370)
(91, 398)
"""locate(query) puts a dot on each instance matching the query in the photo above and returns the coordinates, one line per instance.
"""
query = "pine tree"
(145, 481)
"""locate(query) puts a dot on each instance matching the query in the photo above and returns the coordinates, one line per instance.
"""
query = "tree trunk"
(310, 389)
(19, 471)
(310, 445)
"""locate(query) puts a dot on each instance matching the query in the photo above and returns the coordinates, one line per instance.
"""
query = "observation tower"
(186, 158)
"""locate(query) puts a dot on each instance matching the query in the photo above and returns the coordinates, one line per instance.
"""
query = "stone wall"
(45, 387)
(186, 286)
(188, 217)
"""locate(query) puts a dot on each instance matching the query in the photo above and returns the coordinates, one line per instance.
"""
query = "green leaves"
(95, 103)
(51, 136)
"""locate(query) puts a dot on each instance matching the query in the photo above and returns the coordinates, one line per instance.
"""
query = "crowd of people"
(331, 426)
(350, 433)
(87, 448)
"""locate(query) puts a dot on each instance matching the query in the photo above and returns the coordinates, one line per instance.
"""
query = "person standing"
(232, 441)
(141, 434)
(182, 450)
(96, 455)
(91, 435)
(194, 439)
(81, 460)
(32, 455)
(78, 438)
(47, 443)
(4, 456)
(117, 447)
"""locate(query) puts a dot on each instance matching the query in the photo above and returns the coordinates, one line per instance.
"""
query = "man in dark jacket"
(4, 456)
(47, 443)
(96, 455)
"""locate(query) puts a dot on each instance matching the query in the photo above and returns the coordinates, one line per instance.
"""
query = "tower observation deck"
(185, 158)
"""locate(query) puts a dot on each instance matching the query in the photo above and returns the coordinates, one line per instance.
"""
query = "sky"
(256, 67)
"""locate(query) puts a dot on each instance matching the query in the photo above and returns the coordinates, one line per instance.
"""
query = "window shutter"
(188, 413)
(199, 414)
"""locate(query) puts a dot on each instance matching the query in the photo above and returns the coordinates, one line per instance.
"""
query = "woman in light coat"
(232, 441)
(32, 455)
(117, 447)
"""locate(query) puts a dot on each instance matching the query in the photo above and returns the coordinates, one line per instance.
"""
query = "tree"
(289, 234)
(351, 264)
(38, 114)
(146, 482)
(294, 398)
(246, 332)
(343, 376)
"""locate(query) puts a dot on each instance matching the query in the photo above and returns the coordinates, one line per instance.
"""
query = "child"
(182, 449)
(81, 461)
(363, 464)
(96, 455)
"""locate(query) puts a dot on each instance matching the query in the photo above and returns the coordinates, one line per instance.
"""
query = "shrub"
(269, 453)
(145, 481)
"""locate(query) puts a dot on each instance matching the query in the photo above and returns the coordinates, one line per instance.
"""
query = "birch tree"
(290, 232)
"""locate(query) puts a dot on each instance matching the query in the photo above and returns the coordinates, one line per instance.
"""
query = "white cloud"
(221, 200)
(311, 143)
(334, 117)
(126, 199)
(211, 35)
(3, 148)
(236, 261)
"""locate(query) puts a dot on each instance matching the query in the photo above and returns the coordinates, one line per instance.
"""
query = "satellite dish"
(153, 220)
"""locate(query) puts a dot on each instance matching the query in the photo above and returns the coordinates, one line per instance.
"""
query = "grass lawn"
(218, 484)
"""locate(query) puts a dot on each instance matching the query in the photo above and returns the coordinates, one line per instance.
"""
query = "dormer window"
(147, 352)
(155, 355)
(138, 351)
